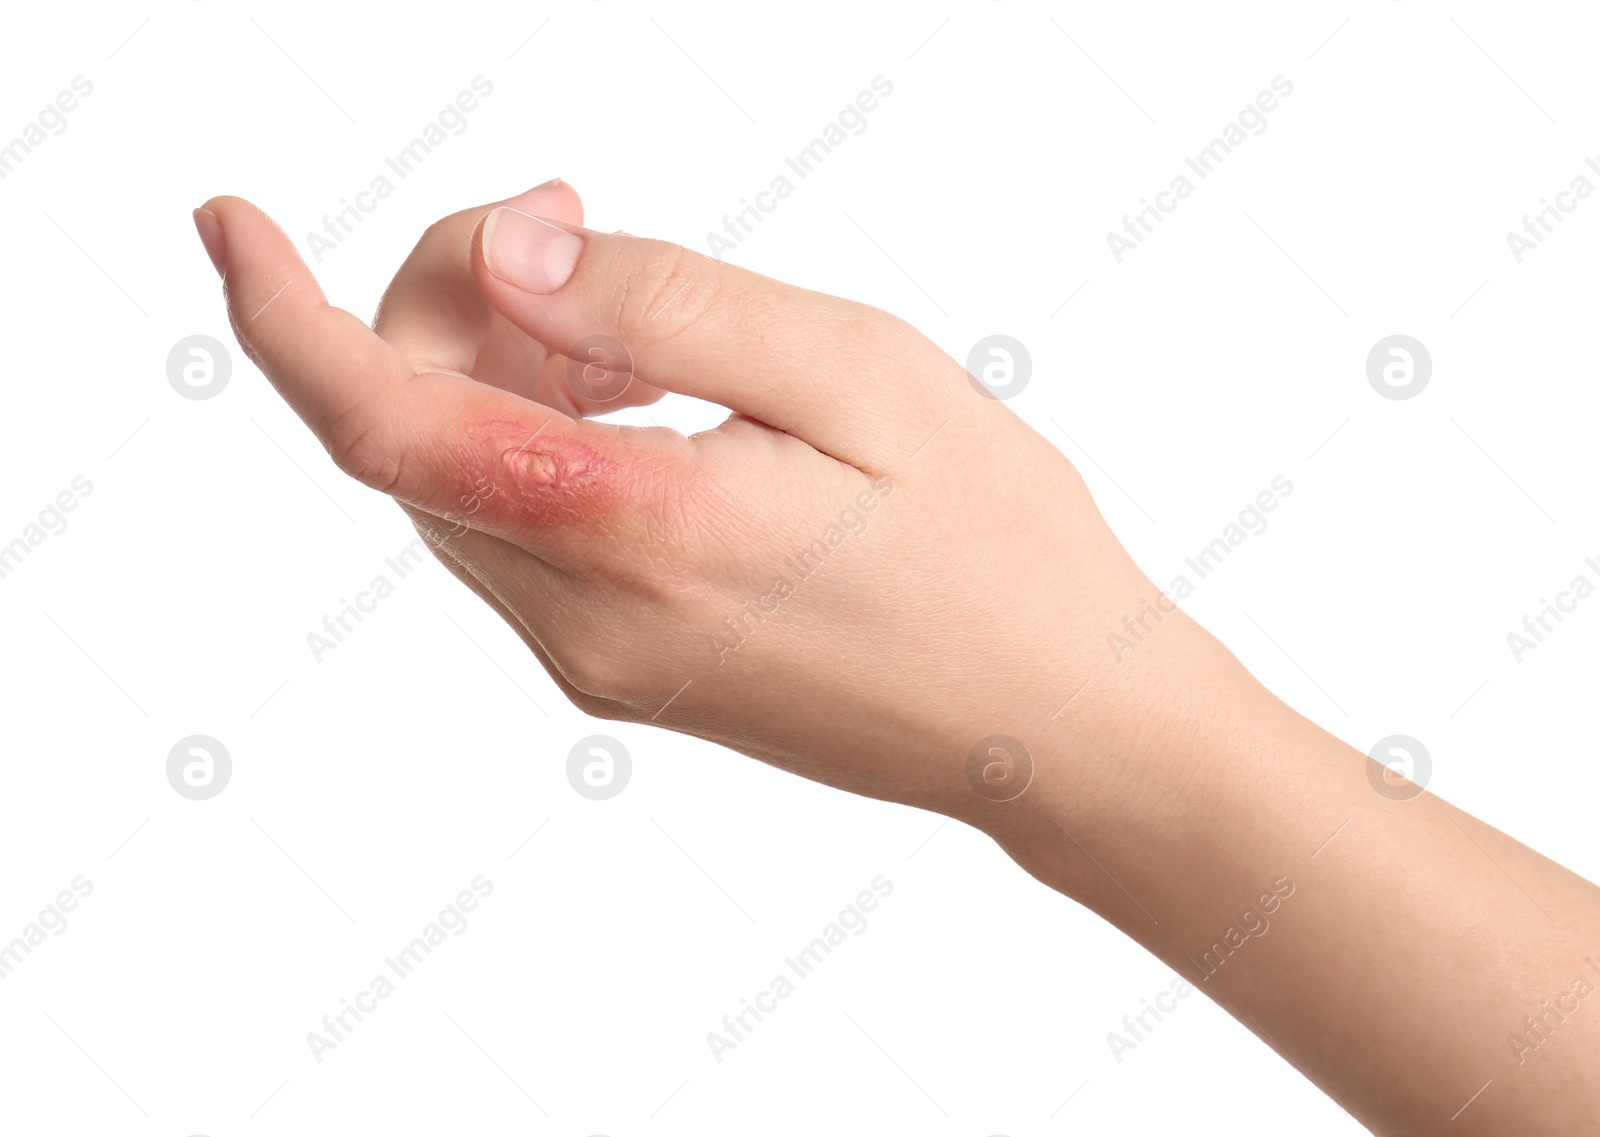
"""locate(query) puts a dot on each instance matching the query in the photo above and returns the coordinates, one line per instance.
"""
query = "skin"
(959, 585)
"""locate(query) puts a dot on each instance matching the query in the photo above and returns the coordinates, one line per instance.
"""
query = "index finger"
(443, 443)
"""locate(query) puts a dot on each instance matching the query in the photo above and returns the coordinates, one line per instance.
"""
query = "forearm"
(1402, 955)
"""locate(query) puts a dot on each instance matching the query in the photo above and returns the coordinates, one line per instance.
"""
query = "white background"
(369, 788)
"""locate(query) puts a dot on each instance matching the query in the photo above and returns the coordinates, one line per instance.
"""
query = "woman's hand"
(872, 574)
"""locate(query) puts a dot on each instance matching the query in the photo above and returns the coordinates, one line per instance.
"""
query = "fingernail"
(528, 252)
(210, 230)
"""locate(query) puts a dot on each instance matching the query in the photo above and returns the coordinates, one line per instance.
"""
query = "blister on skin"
(529, 478)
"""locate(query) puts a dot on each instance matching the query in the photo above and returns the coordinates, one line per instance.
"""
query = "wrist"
(1156, 773)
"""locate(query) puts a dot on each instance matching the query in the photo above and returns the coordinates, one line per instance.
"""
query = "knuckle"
(610, 680)
(880, 337)
(885, 351)
(362, 446)
(672, 290)
(598, 708)
(591, 673)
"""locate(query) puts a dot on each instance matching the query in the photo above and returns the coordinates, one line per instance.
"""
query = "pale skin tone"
(969, 593)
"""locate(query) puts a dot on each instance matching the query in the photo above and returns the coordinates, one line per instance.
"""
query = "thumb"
(854, 381)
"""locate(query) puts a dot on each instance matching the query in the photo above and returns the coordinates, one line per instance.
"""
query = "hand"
(868, 569)
(873, 569)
